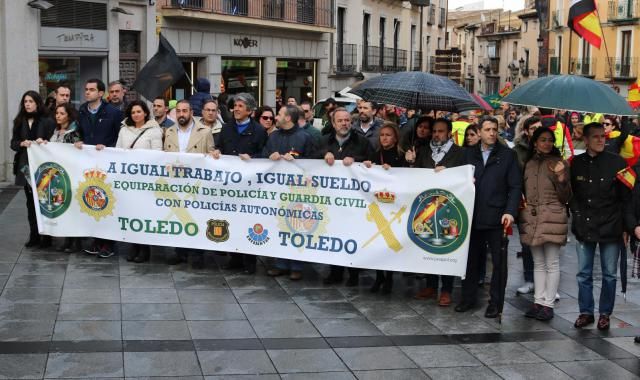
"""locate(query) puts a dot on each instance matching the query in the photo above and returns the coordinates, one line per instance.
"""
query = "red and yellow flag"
(630, 149)
(634, 95)
(583, 20)
(506, 90)
(627, 177)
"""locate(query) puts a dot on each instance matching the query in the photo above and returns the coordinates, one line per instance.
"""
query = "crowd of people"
(529, 171)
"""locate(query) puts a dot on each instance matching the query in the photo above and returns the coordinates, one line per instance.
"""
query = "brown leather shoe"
(275, 272)
(604, 322)
(425, 294)
(295, 275)
(445, 299)
(583, 321)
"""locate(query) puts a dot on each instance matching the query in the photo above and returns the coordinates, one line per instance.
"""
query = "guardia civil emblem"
(217, 230)
(95, 195)
(53, 187)
(438, 222)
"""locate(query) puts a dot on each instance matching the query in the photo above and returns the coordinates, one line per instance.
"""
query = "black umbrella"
(415, 89)
(623, 270)
(502, 271)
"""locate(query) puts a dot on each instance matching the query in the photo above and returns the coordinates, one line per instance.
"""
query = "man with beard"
(349, 146)
(116, 95)
(245, 138)
(439, 154)
(306, 122)
(288, 142)
(367, 125)
(188, 136)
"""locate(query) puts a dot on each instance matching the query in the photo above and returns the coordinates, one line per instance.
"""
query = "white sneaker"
(526, 288)
(557, 297)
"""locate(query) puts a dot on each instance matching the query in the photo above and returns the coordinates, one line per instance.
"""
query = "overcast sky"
(513, 5)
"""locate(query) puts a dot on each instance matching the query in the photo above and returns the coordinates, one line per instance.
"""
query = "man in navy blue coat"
(498, 181)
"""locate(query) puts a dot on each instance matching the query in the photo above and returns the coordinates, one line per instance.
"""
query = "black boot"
(388, 283)
(179, 256)
(375, 288)
(134, 251)
(144, 255)
(45, 241)
(335, 276)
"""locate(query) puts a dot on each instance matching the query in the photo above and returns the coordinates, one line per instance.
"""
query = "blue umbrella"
(415, 89)
(570, 92)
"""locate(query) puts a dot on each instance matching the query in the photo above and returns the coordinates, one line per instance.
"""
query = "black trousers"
(337, 271)
(433, 282)
(479, 241)
(31, 212)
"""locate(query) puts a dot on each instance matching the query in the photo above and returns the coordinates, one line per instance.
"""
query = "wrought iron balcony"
(623, 67)
(416, 60)
(308, 12)
(624, 10)
(394, 60)
(583, 66)
(346, 59)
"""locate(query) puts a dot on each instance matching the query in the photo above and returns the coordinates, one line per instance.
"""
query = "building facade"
(616, 62)
(69, 42)
(269, 48)
(375, 37)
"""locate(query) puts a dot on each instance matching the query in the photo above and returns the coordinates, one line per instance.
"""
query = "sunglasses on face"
(265, 118)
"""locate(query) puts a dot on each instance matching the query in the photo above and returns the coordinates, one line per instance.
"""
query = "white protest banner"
(407, 220)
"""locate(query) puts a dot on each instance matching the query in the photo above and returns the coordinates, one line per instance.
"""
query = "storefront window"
(242, 75)
(73, 71)
(298, 79)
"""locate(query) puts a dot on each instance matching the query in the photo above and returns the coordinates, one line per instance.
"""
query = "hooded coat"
(203, 88)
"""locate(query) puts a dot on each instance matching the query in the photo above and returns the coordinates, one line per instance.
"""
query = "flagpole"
(606, 49)
(569, 59)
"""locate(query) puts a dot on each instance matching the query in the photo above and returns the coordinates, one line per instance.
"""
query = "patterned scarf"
(438, 151)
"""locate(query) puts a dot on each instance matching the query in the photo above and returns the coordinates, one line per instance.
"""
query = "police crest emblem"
(53, 187)
(217, 230)
(95, 195)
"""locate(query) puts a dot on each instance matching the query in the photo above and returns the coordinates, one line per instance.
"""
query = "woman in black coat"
(30, 124)
(388, 155)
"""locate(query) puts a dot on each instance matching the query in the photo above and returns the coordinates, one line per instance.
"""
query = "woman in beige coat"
(139, 131)
(544, 218)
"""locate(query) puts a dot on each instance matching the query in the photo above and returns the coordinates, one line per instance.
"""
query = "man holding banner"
(498, 181)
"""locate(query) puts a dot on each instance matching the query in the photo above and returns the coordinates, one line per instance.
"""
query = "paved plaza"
(76, 316)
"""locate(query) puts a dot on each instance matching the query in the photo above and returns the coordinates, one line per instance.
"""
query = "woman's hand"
(41, 141)
(559, 170)
(25, 144)
(410, 155)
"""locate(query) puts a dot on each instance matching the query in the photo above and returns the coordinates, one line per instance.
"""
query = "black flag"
(163, 70)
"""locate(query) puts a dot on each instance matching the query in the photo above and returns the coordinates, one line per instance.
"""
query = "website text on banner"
(408, 220)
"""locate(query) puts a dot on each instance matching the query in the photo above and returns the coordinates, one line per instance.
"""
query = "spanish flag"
(630, 149)
(584, 21)
(627, 177)
(634, 95)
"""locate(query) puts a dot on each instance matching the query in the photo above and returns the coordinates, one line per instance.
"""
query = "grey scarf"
(438, 151)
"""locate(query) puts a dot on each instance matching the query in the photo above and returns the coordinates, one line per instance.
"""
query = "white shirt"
(183, 137)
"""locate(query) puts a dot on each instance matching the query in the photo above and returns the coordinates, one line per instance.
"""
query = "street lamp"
(522, 62)
(480, 68)
(514, 69)
(540, 41)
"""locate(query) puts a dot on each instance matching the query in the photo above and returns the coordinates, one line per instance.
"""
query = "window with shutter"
(75, 14)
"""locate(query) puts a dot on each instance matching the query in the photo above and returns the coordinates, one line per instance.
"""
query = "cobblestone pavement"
(76, 316)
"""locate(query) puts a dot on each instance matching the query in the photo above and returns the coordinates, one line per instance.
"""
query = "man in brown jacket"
(187, 136)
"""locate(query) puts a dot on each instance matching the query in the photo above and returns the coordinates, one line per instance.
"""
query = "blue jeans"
(292, 265)
(609, 253)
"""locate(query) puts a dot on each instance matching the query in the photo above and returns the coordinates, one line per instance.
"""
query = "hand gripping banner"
(406, 220)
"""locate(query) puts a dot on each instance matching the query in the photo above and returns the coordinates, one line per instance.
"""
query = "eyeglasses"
(265, 118)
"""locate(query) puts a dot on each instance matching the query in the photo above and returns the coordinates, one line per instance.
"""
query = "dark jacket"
(392, 157)
(41, 128)
(356, 147)
(101, 128)
(409, 138)
(251, 141)
(295, 141)
(498, 185)
(371, 134)
(454, 157)
(600, 203)
(521, 147)
(203, 88)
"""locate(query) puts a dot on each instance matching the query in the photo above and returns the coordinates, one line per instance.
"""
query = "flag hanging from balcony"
(163, 70)
(634, 95)
(583, 20)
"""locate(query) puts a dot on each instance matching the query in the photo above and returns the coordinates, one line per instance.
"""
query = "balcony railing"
(583, 66)
(624, 10)
(394, 60)
(554, 65)
(311, 12)
(370, 58)
(416, 61)
(346, 58)
(623, 67)
(557, 18)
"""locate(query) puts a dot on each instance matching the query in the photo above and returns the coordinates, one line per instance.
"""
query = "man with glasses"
(306, 122)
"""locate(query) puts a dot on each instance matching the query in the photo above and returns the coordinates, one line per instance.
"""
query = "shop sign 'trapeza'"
(245, 42)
